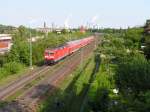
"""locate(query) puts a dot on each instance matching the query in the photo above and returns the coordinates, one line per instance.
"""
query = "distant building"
(82, 29)
(45, 29)
(5, 43)
(34, 39)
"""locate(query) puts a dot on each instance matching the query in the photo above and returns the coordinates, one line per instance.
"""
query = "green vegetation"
(7, 29)
(122, 85)
(10, 68)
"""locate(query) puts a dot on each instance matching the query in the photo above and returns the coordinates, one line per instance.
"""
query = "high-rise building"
(44, 24)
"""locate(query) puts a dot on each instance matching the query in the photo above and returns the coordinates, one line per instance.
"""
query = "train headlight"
(46, 56)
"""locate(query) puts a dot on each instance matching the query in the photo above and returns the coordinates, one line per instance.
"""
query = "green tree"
(134, 34)
(133, 76)
(20, 52)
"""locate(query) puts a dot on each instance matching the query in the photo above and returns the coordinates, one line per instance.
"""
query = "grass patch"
(11, 78)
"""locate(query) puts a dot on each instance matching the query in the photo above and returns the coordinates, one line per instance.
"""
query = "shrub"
(13, 67)
(134, 75)
(3, 73)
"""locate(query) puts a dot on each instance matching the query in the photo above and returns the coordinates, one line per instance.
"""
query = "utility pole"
(95, 40)
(69, 35)
(30, 43)
(81, 58)
(31, 67)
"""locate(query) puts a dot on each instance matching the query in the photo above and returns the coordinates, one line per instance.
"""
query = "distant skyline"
(104, 13)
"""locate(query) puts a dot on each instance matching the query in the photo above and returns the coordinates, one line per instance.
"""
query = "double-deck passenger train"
(56, 54)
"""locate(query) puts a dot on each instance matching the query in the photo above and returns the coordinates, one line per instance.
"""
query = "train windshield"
(49, 53)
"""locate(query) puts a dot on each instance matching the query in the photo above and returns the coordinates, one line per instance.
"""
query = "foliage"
(19, 52)
(133, 76)
(132, 73)
(3, 60)
(134, 34)
(98, 96)
(10, 68)
(6, 29)
(101, 100)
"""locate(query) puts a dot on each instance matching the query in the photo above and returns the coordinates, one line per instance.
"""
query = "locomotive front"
(49, 56)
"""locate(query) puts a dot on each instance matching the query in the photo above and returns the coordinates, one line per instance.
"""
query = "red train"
(56, 54)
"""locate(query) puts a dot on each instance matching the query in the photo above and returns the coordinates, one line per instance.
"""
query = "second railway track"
(18, 84)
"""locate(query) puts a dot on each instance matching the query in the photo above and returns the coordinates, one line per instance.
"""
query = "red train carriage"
(74, 46)
(86, 41)
(54, 55)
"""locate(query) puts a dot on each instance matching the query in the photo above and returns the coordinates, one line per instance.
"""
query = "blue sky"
(105, 13)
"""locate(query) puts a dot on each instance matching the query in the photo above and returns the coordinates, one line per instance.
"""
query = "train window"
(51, 53)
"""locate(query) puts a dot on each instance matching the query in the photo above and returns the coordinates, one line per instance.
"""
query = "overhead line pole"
(31, 67)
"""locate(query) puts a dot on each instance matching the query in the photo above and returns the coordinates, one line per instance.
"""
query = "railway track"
(14, 86)
(31, 96)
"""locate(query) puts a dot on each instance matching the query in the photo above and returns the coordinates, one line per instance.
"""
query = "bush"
(2, 60)
(133, 76)
(13, 67)
(3, 73)
(10, 68)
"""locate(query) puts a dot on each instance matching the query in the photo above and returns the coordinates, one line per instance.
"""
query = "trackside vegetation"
(122, 85)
